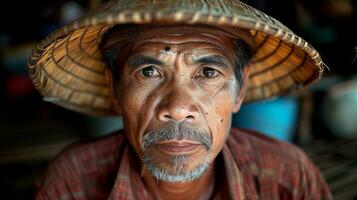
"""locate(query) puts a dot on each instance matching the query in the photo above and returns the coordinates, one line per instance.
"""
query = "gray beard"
(176, 171)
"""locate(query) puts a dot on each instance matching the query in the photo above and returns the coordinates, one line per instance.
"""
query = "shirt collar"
(129, 184)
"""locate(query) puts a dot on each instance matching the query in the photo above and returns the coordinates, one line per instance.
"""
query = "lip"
(178, 147)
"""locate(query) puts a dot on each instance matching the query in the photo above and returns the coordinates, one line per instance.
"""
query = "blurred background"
(321, 119)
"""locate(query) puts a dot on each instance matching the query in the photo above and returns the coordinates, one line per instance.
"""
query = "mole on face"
(167, 48)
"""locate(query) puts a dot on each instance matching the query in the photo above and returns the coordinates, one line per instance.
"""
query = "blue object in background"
(99, 126)
(276, 118)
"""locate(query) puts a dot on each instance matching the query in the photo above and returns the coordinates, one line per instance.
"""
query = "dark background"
(33, 131)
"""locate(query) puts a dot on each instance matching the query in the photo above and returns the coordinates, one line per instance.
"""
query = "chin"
(176, 168)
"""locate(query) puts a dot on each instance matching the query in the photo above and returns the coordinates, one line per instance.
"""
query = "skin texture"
(177, 87)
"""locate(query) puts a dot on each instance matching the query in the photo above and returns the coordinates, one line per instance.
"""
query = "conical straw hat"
(67, 67)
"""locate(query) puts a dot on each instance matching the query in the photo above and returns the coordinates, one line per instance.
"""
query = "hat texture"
(67, 67)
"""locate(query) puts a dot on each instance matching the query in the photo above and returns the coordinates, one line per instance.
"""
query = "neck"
(201, 188)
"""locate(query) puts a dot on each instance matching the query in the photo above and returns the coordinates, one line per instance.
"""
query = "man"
(175, 71)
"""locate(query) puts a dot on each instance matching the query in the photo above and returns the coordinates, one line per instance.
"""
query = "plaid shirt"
(253, 167)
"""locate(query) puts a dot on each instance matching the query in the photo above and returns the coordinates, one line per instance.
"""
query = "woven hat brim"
(67, 67)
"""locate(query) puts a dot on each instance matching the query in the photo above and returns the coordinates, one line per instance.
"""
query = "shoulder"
(283, 165)
(260, 147)
(84, 157)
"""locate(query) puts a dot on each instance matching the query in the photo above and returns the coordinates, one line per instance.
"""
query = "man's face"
(177, 91)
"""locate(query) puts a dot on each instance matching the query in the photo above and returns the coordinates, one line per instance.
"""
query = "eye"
(208, 72)
(149, 72)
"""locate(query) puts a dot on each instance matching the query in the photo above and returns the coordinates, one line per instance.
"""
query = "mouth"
(178, 147)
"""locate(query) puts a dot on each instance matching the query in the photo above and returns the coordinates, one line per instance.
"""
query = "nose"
(178, 106)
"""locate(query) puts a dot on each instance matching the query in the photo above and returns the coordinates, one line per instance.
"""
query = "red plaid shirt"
(254, 167)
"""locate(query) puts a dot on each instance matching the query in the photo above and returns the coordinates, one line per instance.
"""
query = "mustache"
(177, 132)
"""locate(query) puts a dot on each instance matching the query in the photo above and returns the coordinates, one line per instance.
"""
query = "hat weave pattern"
(68, 68)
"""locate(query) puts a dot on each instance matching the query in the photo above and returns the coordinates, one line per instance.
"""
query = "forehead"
(148, 39)
(182, 39)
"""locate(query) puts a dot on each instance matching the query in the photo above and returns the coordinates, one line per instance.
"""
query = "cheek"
(137, 103)
(221, 124)
(132, 102)
(220, 115)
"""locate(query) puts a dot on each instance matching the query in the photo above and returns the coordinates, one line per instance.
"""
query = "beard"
(176, 169)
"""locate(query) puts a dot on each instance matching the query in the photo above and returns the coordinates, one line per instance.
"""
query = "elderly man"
(175, 71)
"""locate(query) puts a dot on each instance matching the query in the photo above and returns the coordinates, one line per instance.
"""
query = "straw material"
(67, 67)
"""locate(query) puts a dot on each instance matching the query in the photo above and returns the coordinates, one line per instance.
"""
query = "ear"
(113, 98)
(243, 89)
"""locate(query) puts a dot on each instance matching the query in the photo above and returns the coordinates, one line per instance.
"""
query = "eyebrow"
(213, 59)
(138, 60)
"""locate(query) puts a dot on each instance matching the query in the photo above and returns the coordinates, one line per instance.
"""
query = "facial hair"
(177, 171)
